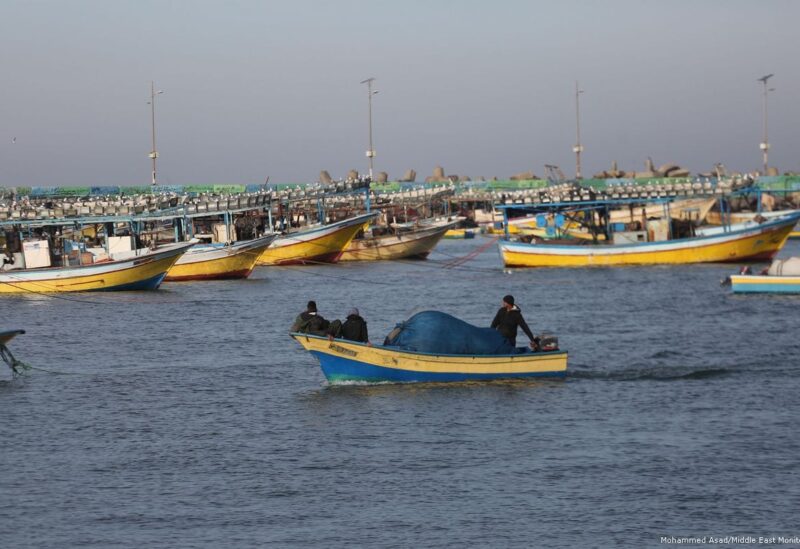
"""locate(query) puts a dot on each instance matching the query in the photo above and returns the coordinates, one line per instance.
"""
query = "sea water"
(187, 417)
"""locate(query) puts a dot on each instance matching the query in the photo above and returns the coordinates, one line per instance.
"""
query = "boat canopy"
(436, 332)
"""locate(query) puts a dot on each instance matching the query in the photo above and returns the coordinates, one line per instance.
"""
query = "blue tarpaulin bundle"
(440, 333)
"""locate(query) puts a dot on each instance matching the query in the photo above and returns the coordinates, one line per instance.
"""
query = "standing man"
(508, 318)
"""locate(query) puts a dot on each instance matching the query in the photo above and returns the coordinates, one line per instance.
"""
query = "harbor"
(652, 351)
(399, 275)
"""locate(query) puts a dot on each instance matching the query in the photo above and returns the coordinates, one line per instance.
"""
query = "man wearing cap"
(355, 327)
(508, 319)
(310, 321)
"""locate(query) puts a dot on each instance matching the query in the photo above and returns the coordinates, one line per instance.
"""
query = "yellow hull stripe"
(399, 360)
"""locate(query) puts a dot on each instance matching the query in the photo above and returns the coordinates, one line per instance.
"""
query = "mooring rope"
(17, 366)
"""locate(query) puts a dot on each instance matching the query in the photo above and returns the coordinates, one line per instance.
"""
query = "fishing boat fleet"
(568, 226)
(140, 251)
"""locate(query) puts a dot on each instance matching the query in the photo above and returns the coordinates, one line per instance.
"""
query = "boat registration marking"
(343, 350)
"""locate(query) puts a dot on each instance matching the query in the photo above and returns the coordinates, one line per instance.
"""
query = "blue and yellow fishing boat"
(343, 361)
(782, 277)
(765, 284)
(432, 347)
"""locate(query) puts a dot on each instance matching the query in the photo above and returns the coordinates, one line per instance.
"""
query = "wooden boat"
(409, 244)
(714, 218)
(139, 272)
(545, 234)
(343, 361)
(756, 243)
(692, 209)
(782, 277)
(545, 226)
(323, 244)
(217, 262)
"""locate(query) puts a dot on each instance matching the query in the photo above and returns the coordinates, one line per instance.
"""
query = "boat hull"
(347, 361)
(759, 243)
(416, 245)
(766, 284)
(7, 336)
(144, 272)
(321, 245)
(219, 263)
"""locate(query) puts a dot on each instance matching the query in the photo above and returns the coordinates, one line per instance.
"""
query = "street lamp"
(764, 146)
(578, 148)
(371, 151)
(153, 153)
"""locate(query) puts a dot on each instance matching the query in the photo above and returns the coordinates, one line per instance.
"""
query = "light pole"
(153, 153)
(371, 151)
(765, 143)
(578, 148)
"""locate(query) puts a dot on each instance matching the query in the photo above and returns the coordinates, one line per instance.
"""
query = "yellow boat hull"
(229, 262)
(760, 243)
(321, 245)
(414, 245)
(145, 272)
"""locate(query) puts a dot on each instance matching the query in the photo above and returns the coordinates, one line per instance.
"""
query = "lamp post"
(578, 148)
(153, 153)
(371, 151)
(764, 146)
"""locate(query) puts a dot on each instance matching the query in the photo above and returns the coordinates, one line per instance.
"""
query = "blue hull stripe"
(341, 369)
(148, 284)
(766, 288)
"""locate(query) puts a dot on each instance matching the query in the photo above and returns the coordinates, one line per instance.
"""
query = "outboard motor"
(548, 342)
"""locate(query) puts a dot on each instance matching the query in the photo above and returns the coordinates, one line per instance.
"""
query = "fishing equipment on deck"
(436, 332)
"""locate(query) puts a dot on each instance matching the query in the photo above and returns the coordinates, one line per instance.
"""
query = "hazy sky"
(271, 88)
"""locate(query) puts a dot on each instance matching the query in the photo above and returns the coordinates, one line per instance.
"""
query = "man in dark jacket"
(310, 321)
(355, 327)
(508, 318)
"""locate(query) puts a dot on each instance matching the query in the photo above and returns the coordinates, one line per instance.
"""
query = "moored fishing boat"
(782, 277)
(144, 271)
(432, 347)
(217, 262)
(402, 244)
(323, 244)
(715, 218)
(693, 209)
(755, 243)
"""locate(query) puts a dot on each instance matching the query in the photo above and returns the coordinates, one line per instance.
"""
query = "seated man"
(355, 327)
(310, 322)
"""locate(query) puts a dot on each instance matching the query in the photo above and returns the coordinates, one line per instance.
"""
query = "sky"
(257, 89)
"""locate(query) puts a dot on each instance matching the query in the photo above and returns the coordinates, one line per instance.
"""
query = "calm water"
(188, 418)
